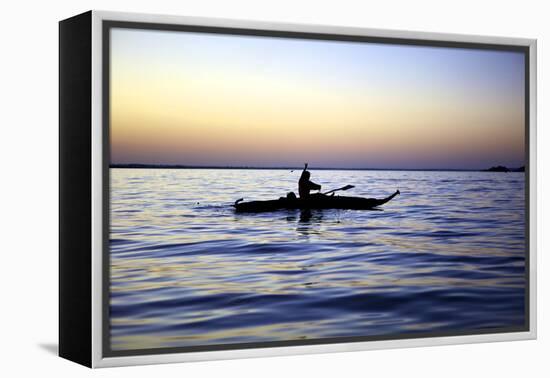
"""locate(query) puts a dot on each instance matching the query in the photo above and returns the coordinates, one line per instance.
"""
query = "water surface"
(446, 255)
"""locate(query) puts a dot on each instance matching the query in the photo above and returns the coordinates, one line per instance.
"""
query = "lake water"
(447, 255)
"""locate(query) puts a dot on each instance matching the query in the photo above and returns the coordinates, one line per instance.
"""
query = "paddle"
(342, 188)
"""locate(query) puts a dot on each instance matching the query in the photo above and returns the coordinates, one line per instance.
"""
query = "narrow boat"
(317, 201)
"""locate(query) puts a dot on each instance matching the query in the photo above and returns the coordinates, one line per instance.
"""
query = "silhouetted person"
(305, 185)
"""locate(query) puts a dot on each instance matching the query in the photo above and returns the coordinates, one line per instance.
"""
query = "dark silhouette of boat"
(318, 201)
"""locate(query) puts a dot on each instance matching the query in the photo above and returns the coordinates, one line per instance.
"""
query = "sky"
(226, 100)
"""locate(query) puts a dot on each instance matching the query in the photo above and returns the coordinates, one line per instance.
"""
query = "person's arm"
(314, 186)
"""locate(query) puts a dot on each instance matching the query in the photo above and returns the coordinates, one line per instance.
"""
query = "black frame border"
(106, 27)
(75, 189)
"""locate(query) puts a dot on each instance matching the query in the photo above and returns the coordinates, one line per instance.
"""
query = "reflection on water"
(446, 255)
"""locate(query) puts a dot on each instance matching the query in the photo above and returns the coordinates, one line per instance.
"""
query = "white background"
(28, 121)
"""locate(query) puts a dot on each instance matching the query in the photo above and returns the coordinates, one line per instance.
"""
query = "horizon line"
(183, 166)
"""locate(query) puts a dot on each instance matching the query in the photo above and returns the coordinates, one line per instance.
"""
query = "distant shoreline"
(179, 166)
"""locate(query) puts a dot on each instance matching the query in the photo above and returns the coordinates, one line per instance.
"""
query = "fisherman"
(305, 185)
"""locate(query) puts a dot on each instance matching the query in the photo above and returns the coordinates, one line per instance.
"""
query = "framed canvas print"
(234, 189)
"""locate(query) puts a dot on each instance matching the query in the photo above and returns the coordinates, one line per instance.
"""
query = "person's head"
(307, 175)
(291, 196)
